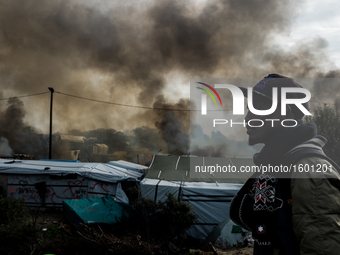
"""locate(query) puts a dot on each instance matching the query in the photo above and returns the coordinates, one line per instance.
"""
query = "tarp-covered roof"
(102, 145)
(96, 171)
(72, 138)
(177, 168)
(128, 165)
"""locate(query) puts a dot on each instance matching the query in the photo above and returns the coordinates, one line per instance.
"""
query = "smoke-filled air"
(138, 53)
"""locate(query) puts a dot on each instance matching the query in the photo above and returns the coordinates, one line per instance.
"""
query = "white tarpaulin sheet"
(210, 201)
(129, 165)
(96, 171)
(63, 180)
(158, 190)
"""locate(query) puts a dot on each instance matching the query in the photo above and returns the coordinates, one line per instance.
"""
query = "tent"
(208, 194)
(51, 182)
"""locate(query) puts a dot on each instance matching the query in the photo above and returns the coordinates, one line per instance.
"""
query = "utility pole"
(50, 149)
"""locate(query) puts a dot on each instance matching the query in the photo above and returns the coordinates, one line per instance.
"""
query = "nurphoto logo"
(238, 103)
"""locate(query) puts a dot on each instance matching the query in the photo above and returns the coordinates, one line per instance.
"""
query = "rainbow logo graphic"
(204, 97)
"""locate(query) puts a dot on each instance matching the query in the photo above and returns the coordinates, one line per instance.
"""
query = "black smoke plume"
(126, 53)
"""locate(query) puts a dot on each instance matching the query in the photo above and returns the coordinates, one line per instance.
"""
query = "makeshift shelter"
(51, 182)
(208, 195)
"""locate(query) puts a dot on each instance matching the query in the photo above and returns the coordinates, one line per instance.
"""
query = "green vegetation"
(149, 226)
(327, 119)
(18, 234)
(158, 221)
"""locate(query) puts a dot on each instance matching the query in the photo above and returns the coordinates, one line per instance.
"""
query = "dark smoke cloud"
(171, 124)
(326, 89)
(304, 60)
(19, 137)
(61, 44)
(149, 138)
(124, 53)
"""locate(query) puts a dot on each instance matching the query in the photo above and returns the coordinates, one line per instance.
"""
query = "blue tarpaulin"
(94, 210)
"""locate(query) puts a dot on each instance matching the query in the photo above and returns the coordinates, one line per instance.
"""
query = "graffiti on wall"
(57, 190)
(23, 186)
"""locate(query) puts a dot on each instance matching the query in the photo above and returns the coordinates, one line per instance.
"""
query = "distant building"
(100, 149)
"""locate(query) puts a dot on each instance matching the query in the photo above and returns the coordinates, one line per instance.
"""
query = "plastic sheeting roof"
(177, 168)
(94, 210)
(96, 171)
(129, 165)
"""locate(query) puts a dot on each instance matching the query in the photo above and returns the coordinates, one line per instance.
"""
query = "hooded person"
(295, 209)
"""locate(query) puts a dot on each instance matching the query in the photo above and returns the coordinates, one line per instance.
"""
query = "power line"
(151, 108)
(106, 102)
(133, 106)
(25, 96)
(126, 105)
